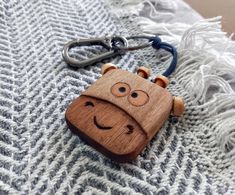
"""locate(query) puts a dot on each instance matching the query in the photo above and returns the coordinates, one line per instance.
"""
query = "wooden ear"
(162, 81)
(107, 67)
(178, 106)
(143, 72)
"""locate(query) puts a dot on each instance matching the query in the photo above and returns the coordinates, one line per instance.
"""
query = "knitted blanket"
(194, 154)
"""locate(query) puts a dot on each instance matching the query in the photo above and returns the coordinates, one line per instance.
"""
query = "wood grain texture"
(152, 115)
(107, 128)
(119, 114)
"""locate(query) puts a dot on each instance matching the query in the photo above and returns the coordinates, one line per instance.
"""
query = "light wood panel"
(212, 8)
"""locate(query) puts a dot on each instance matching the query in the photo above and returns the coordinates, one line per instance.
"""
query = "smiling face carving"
(119, 114)
(105, 126)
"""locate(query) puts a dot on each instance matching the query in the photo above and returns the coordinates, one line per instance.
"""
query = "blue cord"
(158, 44)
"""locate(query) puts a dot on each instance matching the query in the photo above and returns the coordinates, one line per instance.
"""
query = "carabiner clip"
(118, 45)
(114, 46)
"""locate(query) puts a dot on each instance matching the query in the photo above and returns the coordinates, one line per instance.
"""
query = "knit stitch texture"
(38, 153)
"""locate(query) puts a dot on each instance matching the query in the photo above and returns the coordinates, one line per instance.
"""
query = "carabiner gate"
(114, 46)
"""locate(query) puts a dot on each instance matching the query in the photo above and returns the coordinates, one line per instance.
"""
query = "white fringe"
(206, 67)
(136, 6)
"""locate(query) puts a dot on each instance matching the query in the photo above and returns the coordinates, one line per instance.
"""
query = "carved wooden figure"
(122, 111)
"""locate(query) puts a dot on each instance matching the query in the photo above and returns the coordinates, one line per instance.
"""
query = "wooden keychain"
(121, 112)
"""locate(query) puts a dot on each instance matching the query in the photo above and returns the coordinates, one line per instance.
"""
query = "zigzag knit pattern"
(39, 154)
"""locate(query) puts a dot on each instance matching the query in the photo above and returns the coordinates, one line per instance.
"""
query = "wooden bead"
(107, 67)
(162, 81)
(178, 106)
(143, 72)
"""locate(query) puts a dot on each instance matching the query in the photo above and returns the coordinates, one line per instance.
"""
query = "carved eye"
(89, 104)
(138, 98)
(130, 129)
(120, 89)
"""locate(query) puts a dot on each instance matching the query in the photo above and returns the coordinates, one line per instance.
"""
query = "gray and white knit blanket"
(39, 154)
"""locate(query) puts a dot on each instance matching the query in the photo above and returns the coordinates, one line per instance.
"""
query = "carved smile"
(100, 126)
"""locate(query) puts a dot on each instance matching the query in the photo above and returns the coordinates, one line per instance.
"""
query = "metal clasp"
(112, 44)
(116, 45)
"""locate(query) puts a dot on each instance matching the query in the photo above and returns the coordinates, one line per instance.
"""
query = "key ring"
(118, 45)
